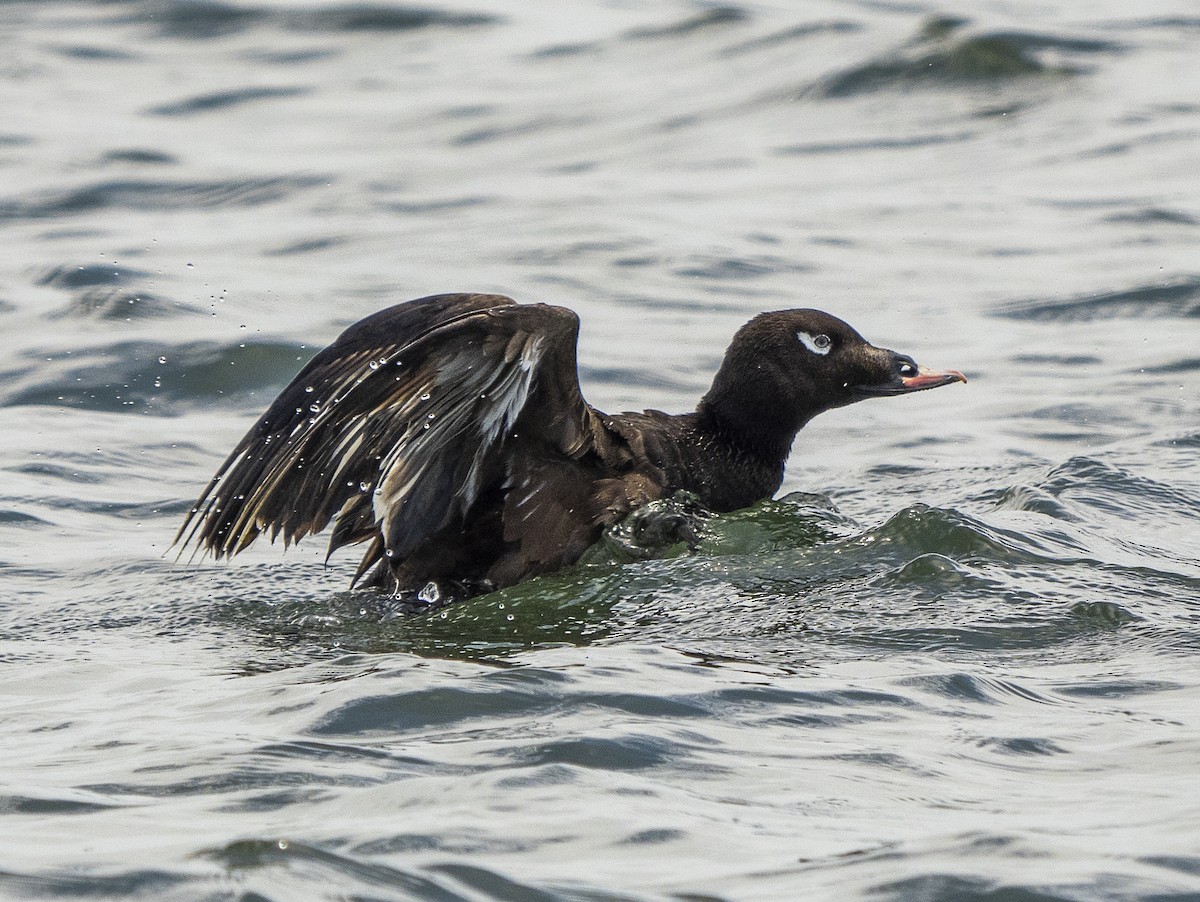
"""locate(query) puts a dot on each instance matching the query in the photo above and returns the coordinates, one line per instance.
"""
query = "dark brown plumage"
(449, 433)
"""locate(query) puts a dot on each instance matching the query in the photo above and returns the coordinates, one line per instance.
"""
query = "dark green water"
(954, 660)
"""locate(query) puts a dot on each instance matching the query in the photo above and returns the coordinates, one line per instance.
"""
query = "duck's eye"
(818, 344)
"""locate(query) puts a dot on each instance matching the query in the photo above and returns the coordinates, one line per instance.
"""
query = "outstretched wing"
(395, 428)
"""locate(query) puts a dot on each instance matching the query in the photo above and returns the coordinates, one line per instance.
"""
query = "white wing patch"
(818, 344)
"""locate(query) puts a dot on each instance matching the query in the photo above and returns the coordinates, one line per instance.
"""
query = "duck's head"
(784, 368)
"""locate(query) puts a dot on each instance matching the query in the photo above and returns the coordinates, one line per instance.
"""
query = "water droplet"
(363, 486)
(432, 416)
(158, 383)
(162, 359)
(309, 389)
(374, 364)
(315, 408)
(425, 397)
(283, 843)
(388, 552)
(509, 617)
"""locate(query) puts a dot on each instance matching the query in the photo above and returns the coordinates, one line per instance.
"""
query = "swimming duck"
(450, 435)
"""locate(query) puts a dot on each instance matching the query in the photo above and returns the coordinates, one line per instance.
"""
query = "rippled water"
(955, 659)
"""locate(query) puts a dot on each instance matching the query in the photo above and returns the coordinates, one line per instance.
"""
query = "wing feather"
(395, 429)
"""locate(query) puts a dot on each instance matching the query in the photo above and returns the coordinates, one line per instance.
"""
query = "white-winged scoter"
(450, 434)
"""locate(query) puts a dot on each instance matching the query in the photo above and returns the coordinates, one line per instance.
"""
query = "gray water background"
(956, 659)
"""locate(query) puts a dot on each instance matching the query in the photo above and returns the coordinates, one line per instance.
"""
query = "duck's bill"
(924, 379)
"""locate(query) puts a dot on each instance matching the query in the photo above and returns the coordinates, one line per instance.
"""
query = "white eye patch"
(818, 344)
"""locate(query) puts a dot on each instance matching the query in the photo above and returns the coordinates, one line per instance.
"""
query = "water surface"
(954, 659)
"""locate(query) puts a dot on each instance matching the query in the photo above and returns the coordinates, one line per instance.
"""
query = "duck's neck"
(738, 466)
(755, 434)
